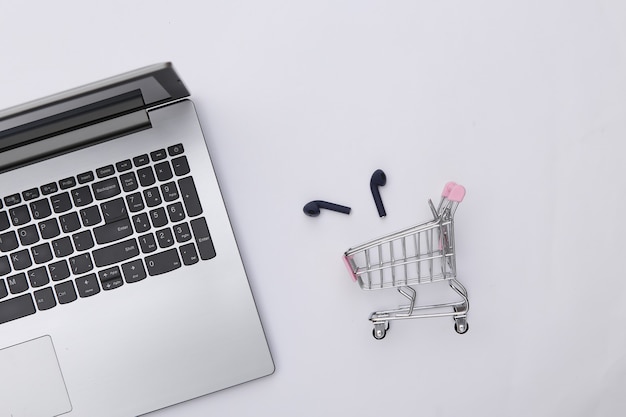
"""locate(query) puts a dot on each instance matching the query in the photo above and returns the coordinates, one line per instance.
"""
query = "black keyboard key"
(30, 194)
(90, 216)
(70, 222)
(5, 266)
(44, 299)
(65, 292)
(85, 177)
(4, 221)
(158, 155)
(59, 270)
(190, 196)
(114, 231)
(163, 262)
(3, 289)
(181, 166)
(81, 263)
(163, 171)
(41, 253)
(158, 216)
(40, 209)
(38, 277)
(129, 182)
(15, 308)
(152, 196)
(169, 191)
(133, 271)
(8, 241)
(61, 202)
(165, 238)
(109, 273)
(114, 210)
(112, 284)
(83, 240)
(116, 253)
(111, 278)
(49, 188)
(141, 222)
(19, 215)
(12, 200)
(105, 171)
(176, 149)
(124, 165)
(87, 285)
(106, 189)
(62, 247)
(21, 260)
(28, 235)
(135, 202)
(141, 160)
(66, 183)
(147, 243)
(176, 212)
(82, 196)
(182, 232)
(189, 254)
(49, 229)
(17, 283)
(146, 176)
(203, 238)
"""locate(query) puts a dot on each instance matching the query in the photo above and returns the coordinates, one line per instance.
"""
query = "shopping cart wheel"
(460, 325)
(380, 330)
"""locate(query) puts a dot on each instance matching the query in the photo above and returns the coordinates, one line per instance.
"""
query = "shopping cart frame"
(421, 254)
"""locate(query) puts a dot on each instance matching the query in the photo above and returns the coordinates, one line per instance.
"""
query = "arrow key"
(134, 271)
(87, 285)
(111, 278)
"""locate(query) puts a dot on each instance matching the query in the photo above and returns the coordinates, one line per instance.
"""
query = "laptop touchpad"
(31, 383)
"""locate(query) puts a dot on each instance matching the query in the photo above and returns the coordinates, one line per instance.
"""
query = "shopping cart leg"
(411, 294)
(460, 317)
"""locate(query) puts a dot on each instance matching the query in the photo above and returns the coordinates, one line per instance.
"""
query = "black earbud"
(378, 180)
(313, 208)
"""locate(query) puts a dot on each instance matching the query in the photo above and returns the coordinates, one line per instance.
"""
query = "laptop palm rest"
(32, 384)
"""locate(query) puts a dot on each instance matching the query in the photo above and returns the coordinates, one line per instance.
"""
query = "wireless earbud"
(313, 208)
(378, 180)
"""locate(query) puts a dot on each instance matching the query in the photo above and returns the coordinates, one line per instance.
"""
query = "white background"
(523, 102)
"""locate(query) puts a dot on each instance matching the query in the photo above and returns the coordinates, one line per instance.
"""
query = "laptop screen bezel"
(158, 83)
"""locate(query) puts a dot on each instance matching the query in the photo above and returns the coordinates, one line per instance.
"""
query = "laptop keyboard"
(98, 231)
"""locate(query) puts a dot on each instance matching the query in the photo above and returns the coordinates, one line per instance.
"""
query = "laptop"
(122, 290)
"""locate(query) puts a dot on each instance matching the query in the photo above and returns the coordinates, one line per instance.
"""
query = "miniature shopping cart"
(422, 254)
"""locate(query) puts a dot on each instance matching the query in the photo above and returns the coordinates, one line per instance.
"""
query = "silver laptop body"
(122, 290)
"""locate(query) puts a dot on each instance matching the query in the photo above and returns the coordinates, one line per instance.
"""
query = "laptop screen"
(52, 125)
(158, 84)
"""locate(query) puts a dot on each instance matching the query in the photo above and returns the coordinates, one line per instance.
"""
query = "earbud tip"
(379, 177)
(311, 210)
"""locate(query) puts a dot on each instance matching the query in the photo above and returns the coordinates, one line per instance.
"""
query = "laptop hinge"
(63, 132)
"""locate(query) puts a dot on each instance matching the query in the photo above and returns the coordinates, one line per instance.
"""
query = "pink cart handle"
(457, 194)
(447, 188)
(346, 260)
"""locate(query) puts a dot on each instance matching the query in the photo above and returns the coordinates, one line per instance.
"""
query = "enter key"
(203, 238)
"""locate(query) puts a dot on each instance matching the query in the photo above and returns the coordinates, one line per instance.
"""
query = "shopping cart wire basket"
(421, 254)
